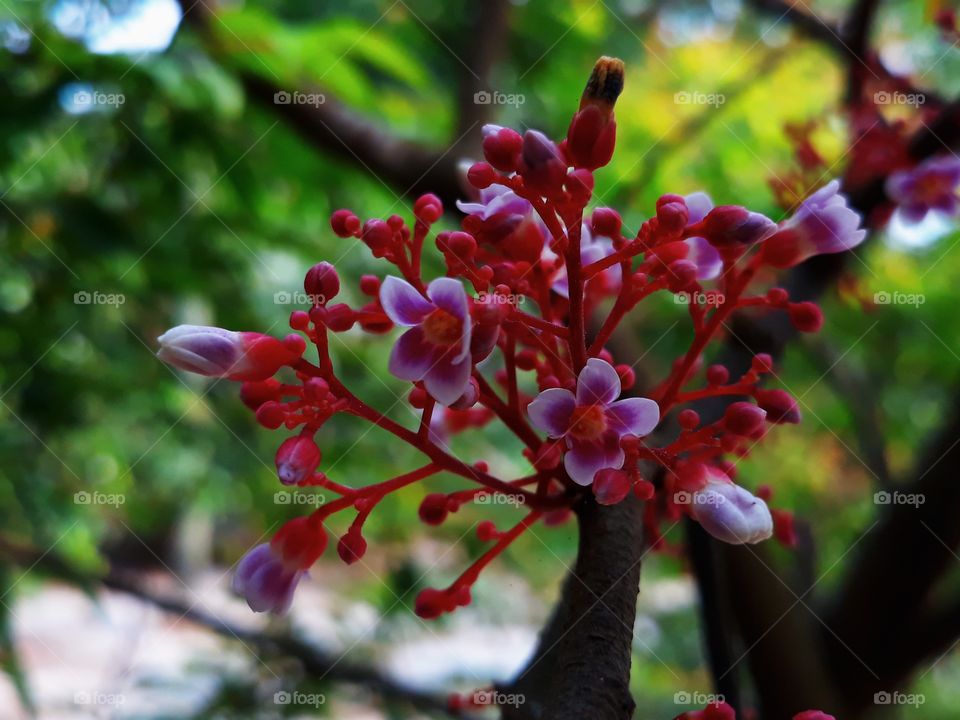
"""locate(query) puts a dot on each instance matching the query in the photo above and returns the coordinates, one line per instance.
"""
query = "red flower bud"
(297, 459)
(253, 394)
(541, 165)
(300, 542)
(732, 225)
(322, 283)
(502, 147)
(345, 223)
(610, 486)
(781, 406)
(805, 316)
(672, 217)
(433, 509)
(743, 418)
(688, 419)
(481, 175)
(428, 208)
(717, 375)
(432, 603)
(271, 414)
(606, 222)
(352, 547)
(377, 235)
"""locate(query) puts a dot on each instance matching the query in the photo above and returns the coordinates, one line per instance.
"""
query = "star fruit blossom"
(592, 422)
(530, 235)
(931, 185)
(436, 349)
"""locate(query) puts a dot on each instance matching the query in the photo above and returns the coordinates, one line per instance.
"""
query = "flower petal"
(550, 411)
(698, 205)
(705, 256)
(447, 378)
(584, 459)
(634, 416)
(402, 303)
(412, 356)
(598, 383)
(732, 514)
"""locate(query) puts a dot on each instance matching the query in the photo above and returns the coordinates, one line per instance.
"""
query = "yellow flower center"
(588, 422)
(442, 328)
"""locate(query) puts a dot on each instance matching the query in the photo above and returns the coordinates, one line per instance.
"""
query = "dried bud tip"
(605, 84)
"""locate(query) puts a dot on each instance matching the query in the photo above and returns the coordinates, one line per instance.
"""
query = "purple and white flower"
(593, 421)
(264, 581)
(731, 513)
(931, 185)
(496, 199)
(823, 223)
(702, 254)
(591, 249)
(436, 348)
(215, 352)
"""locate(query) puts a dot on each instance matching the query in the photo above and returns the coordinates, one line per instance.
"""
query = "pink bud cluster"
(517, 333)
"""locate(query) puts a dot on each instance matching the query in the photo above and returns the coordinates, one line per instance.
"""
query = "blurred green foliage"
(196, 206)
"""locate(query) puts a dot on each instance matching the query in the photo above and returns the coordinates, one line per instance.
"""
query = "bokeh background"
(142, 185)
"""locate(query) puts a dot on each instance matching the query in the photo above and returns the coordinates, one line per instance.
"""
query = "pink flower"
(436, 349)
(591, 422)
(931, 185)
(265, 581)
(730, 512)
(216, 352)
(823, 223)
(702, 254)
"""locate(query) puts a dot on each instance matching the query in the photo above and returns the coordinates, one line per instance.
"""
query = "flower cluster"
(517, 332)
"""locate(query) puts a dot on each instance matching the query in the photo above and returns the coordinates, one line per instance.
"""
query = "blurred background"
(166, 163)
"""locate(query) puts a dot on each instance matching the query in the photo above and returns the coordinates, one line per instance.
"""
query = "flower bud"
(377, 235)
(610, 486)
(743, 418)
(672, 217)
(593, 130)
(428, 208)
(433, 509)
(730, 513)
(255, 393)
(502, 147)
(344, 223)
(732, 225)
(781, 406)
(481, 175)
(299, 542)
(322, 283)
(216, 352)
(606, 222)
(805, 316)
(541, 165)
(432, 603)
(297, 459)
(352, 546)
